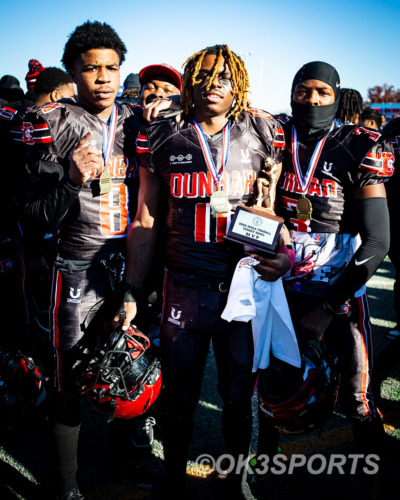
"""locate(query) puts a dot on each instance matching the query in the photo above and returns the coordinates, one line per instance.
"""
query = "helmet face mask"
(299, 400)
(123, 379)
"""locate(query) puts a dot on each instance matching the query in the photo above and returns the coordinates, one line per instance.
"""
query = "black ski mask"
(313, 122)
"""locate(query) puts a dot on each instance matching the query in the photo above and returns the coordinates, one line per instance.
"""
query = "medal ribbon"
(109, 135)
(306, 180)
(216, 174)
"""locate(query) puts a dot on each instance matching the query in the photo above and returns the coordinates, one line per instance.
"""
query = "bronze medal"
(219, 202)
(304, 208)
(105, 182)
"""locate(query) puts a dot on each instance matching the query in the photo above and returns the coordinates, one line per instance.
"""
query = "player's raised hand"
(83, 159)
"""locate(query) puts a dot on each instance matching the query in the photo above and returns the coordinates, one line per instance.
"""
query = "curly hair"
(240, 78)
(92, 35)
(51, 79)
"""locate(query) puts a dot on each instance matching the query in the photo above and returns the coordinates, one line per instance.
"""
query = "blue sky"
(361, 39)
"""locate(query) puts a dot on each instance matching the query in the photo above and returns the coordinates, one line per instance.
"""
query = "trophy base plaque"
(255, 228)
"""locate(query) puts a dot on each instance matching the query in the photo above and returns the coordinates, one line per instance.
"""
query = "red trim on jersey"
(202, 223)
(288, 203)
(164, 292)
(279, 141)
(42, 140)
(41, 126)
(259, 112)
(222, 222)
(56, 295)
(141, 144)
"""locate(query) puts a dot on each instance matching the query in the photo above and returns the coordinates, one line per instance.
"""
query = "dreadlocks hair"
(350, 105)
(240, 78)
(92, 35)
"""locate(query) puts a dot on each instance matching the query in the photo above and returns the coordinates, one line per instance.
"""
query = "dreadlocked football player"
(83, 176)
(206, 164)
(350, 106)
(333, 199)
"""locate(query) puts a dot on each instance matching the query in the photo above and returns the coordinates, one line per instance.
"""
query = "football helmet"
(299, 400)
(123, 379)
(21, 387)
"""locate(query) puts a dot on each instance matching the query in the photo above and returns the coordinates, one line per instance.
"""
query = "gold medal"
(105, 182)
(304, 208)
(219, 202)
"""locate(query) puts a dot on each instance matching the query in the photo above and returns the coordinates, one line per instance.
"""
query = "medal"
(105, 182)
(304, 206)
(105, 179)
(219, 201)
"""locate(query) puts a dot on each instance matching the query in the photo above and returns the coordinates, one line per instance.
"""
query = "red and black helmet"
(21, 387)
(123, 379)
(299, 400)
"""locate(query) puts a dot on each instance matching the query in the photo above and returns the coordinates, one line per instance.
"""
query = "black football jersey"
(195, 237)
(87, 222)
(352, 157)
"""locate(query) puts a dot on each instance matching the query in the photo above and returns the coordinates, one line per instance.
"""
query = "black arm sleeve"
(50, 195)
(372, 217)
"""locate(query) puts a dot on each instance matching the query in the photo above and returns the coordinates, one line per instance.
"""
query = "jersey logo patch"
(27, 133)
(180, 159)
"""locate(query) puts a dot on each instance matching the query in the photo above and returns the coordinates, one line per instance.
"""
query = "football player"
(206, 164)
(332, 196)
(83, 188)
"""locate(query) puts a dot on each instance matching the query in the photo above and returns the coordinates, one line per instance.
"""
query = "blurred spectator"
(28, 99)
(131, 91)
(10, 89)
(350, 106)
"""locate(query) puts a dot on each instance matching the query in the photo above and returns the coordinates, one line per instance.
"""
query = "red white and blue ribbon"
(304, 181)
(109, 135)
(216, 174)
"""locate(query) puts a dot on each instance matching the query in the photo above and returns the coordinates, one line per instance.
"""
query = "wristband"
(291, 253)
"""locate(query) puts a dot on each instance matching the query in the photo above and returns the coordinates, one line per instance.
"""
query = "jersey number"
(114, 211)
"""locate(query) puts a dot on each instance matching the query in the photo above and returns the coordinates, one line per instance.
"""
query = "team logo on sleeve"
(27, 133)
(380, 163)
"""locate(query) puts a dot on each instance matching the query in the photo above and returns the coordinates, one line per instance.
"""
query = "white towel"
(265, 304)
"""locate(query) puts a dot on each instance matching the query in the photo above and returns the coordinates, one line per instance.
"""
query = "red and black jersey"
(351, 157)
(195, 237)
(87, 222)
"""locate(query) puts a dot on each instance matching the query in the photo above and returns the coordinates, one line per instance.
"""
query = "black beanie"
(318, 70)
